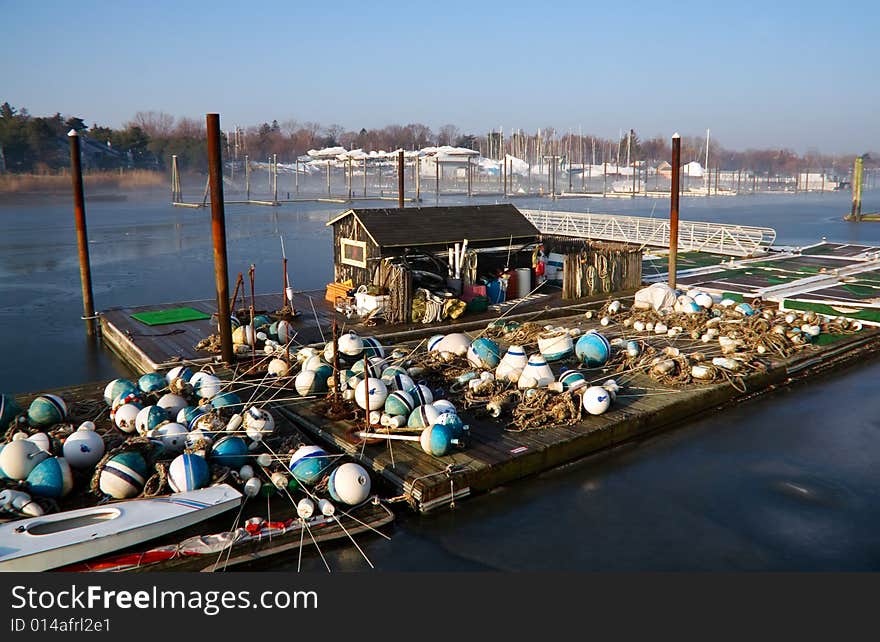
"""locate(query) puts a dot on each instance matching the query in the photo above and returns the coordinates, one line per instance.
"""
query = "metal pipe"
(673, 207)
(82, 237)
(218, 233)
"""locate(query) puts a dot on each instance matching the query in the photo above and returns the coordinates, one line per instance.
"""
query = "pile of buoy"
(172, 432)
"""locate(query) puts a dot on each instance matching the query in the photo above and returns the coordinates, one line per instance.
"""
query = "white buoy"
(305, 508)
(279, 480)
(258, 423)
(83, 449)
(326, 507)
(252, 487)
(596, 400)
(264, 460)
(246, 472)
(19, 457)
(371, 394)
(278, 368)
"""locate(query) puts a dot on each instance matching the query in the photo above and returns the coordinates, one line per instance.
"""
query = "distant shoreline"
(136, 179)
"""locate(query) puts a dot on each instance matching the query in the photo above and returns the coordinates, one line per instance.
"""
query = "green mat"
(172, 315)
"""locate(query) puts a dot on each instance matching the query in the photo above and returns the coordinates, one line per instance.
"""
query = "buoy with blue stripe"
(444, 405)
(308, 464)
(422, 417)
(84, 448)
(47, 410)
(399, 403)
(421, 394)
(50, 478)
(230, 451)
(373, 348)
(123, 475)
(258, 423)
(178, 372)
(456, 343)
(206, 385)
(572, 379)
(593, 349)
(19, 457)
(484, 353)
(434, 440)
(349, 484)
(188, 472)
(226, 401)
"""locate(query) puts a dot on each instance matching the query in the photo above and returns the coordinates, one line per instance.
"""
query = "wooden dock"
(154, 348)
(497, 456)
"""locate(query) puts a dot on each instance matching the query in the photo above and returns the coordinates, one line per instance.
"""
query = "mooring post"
(856, 213)
(247, 178)
(218, 233)
(82, 237)
(400, 178)
(673, 207)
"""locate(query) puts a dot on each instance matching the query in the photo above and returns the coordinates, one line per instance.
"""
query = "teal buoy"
(152, 382)
(50, 478)
(9, 410)
(230, 451)
(47, 410)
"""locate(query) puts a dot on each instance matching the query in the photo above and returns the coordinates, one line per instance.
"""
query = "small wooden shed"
(362, 237)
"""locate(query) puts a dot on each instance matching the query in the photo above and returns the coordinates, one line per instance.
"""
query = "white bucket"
(523, 282)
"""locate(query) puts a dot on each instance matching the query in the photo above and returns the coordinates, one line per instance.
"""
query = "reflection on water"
(786, 482)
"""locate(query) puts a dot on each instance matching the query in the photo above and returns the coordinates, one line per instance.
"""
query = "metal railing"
(698, 236)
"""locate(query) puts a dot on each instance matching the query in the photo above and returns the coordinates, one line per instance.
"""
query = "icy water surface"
(786, 482)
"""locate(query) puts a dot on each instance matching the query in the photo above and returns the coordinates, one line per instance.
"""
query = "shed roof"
(413, 226)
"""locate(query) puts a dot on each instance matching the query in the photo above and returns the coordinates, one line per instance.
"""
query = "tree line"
(38, 144)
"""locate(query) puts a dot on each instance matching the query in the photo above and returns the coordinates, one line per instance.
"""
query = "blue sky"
(787, 74)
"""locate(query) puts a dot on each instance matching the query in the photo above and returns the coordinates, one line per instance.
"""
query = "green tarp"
(172, 315)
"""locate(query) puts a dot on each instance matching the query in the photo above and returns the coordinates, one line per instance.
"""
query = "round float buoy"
(252, 487)
(188, 415)
(349, 483)
(173, 437)
(593, 349)
(305, 508)
(52, 477)
(421, 394)
(207, 386)
(188, 472)
(42, 440)
(178, 372)
(118, 387)
(308, 463)
(152, 382)
(456, 343)
(399, 403)
(451, 421)
(172, 404)
(226, 401)
(596, 400)
(126, 416)
(571, 379)
(422, 417)
(83, 449)
(46, 410)
(371, 394)
(307, 383)
(538, 371)
(351, 347)
(258, 423)
(373, 348)
(230, 451)
(444, 405)
(484, 353)
(150, 418)
(123, 475)
(278, 368)
(396, 378)
(19, 457)
(436, 440)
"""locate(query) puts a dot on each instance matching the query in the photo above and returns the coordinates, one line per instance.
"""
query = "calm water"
(788, 481)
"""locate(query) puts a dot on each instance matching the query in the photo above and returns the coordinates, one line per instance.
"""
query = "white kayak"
(50, 541)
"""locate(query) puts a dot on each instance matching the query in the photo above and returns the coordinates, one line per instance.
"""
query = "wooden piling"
(218, 230)
(673, 207)
(401, 187)
(858, 168)
(82, 237)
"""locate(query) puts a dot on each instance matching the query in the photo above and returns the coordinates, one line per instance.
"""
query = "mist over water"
(785, 482)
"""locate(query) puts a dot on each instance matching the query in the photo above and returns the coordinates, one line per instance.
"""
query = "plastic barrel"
(523, 281)
(494, 291)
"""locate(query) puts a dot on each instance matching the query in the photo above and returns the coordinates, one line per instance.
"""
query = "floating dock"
(843, 278)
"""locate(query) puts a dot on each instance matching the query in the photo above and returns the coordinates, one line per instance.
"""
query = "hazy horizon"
(791, 75)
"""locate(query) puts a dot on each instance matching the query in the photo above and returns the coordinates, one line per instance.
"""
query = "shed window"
(353, 252)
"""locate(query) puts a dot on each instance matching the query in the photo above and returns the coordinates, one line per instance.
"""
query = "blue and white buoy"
(47, 410)
(349, 484)
(188, 472)
(123, 475)
(230, 451)
(308, 464)
(484, 353)
(593, 349)
(152, 382)
(50, 478)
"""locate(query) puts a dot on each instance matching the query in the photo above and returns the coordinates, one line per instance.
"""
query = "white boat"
(47, 542)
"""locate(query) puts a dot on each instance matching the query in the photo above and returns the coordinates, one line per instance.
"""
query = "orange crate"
(335, 290)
